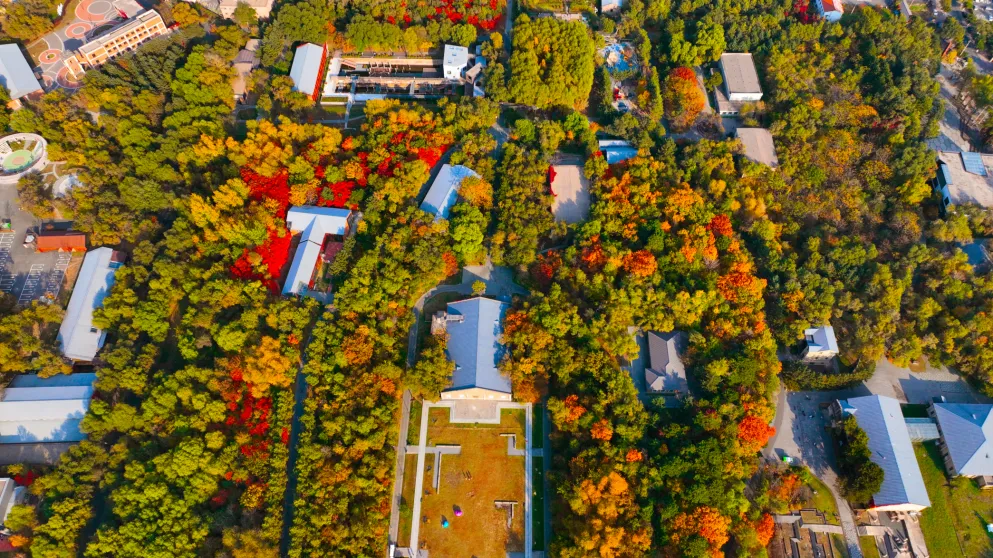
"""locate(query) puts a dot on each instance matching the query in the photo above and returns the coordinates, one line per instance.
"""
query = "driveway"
(951, 136)
(499, 284)
(801, 433)
(912, 387)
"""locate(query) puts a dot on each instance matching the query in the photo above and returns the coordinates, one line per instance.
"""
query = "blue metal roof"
(889, 441)
(474, 344)
(973, 162)
(618, 154)
(967, 430)
(944, 175)
(445, 190)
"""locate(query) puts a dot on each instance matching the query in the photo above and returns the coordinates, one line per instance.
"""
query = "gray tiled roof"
(967, 430)
(665, 371)
(889, 441)
(474, 344)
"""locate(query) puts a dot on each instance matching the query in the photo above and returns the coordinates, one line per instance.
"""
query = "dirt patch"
(472, 481)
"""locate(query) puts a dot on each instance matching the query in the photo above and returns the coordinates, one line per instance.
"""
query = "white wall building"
(78, 338)
(45, 410)
(314, 224)
(308, 65)
(741, 81)
(820, 345)
(456, 59)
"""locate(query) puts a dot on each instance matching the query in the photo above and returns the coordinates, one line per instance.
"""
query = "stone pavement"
(89, 15)
(920, 387)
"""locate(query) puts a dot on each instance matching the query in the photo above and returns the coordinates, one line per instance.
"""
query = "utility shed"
(67, 241)
(445, 189)
(882, 420)
(78, 337)
(41, 410)
(16, 74)
(308, 66)
(474, 329)
(759, 146)
(966, 438)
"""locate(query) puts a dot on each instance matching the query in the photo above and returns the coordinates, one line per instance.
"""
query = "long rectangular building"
(119, 40)
(78, 338)
(42, 410)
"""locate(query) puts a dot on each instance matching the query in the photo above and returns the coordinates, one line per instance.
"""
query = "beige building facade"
(124, 38)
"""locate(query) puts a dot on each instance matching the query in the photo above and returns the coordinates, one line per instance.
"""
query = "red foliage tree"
(754, 433)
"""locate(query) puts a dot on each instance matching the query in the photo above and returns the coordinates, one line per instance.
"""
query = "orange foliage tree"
(640, 263)
(684, 99)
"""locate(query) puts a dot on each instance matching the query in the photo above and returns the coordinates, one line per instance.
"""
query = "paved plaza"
(89, 18)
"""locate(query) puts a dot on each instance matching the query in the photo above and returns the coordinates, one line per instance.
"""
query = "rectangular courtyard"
(473, 481)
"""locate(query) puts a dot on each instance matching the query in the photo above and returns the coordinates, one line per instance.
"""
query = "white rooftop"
(445, 189)
(759, 146)
(78, 338)
(456, 56)
(306, 69)
(314, 223)
(35, 409)
(968, 177)
(739, 73)
(821, 339)
(15, 72)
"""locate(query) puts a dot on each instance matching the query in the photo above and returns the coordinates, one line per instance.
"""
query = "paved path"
(528, 486)
(422, 450)
(299, 395)
(800, 434)
(422, 442)
(419, 307)
(399, 468)
(546, 456)
(499, 283)
(60, 43)
(508, 29)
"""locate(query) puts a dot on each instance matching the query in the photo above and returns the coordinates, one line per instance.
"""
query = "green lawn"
(537, 426)
(538, 504)
(956, 521)
(869, 548)
(823, 500)
(838, 543)
(414, 429)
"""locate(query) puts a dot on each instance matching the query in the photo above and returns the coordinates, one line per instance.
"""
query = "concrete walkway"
(399, 468)
(415, 524)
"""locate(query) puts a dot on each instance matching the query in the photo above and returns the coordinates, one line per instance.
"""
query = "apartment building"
(119, 40)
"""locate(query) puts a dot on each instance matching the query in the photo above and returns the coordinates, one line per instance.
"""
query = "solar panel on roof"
(973, 163)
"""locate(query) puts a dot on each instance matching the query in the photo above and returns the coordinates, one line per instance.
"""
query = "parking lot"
(25, 274)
